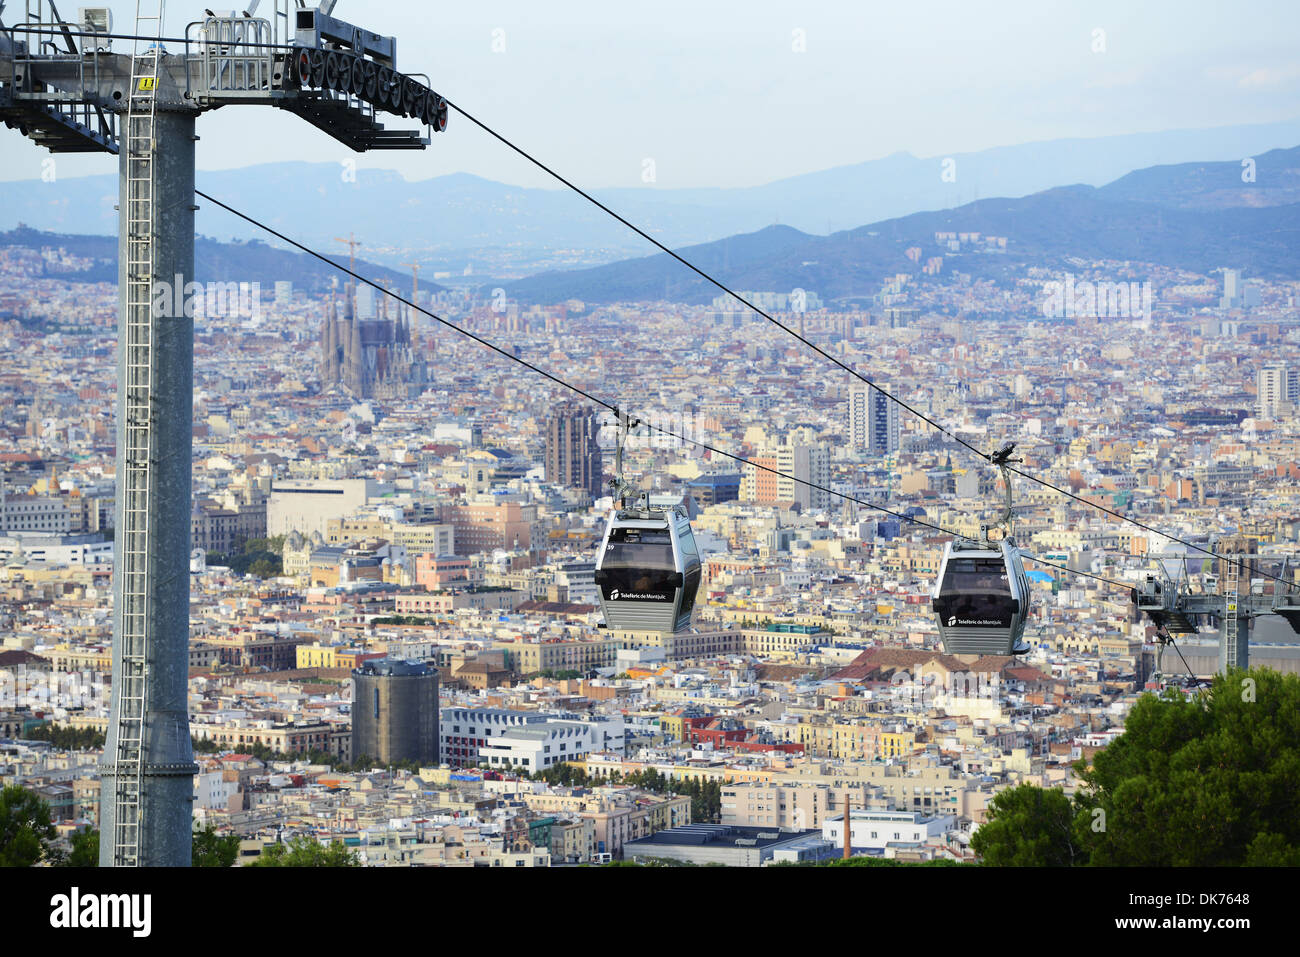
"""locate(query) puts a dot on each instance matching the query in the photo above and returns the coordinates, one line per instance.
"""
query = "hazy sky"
(717, 92)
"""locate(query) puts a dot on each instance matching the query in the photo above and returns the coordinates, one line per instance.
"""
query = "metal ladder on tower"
(134, 483)
(1231, 584)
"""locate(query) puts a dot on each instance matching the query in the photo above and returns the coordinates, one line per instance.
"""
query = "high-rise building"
(573, 457)
(759, 482)
(1279, 390)
(714, 488)
(812, 464)
(395, 711)
(484, 526)
(780, 474)
(899, 317)
(873, 420)
(1231, 289)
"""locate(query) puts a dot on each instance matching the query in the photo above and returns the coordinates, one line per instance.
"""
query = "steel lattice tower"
(331, 73)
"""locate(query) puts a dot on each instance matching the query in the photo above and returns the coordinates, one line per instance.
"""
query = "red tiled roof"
(1027, 673)
(11, 659)
(874, 659)
(992, 663)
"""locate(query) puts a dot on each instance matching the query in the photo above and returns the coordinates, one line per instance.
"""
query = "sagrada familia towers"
(370, 358)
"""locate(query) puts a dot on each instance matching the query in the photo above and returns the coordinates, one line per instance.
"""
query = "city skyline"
(968, 537)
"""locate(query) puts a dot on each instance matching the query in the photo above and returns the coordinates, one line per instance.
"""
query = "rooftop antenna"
(334, 75)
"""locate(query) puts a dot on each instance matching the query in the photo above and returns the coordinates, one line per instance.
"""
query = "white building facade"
(872, 830)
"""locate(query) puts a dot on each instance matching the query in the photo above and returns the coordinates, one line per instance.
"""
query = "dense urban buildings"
(792, 472)
(395, 638)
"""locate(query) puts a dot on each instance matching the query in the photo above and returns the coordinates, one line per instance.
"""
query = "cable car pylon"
(1174, 608)
(79, 100)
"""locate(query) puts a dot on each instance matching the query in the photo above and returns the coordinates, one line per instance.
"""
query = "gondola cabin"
(982, 599)
(648, 570)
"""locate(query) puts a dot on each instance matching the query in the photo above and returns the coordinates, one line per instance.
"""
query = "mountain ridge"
(444, 220)
(1046, 229)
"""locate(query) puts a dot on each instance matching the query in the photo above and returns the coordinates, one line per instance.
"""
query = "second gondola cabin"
(648, 570)
(981, 599)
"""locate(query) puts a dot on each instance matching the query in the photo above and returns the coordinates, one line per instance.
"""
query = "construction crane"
(142, 106)
(353, 245)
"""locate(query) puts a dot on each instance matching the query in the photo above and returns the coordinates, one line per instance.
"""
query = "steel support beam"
(1234, 642)
(66, 102)
(167, 755)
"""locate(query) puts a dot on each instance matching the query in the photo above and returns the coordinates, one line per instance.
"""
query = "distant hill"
(252, 261)
(834, 199)
(662, 277)
(444, 218)
(1274, 180)
(1046, 229)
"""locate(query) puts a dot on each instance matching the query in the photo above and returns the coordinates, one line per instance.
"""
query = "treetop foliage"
(1207, 781)
(307, 852)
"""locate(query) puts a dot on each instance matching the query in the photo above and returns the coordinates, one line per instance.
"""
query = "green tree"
(1271, 850)
(710, 808)
(564, 775)
(1029, 826)
(260, 751)
(26, 834)
(259, 556)
(264, 568)
(66, 738)
(1213, 780)
(274, 544)
(210, 849)
(85, 849)
(364, 762)
(306, 852)
(652, 862)
(1207, 781)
